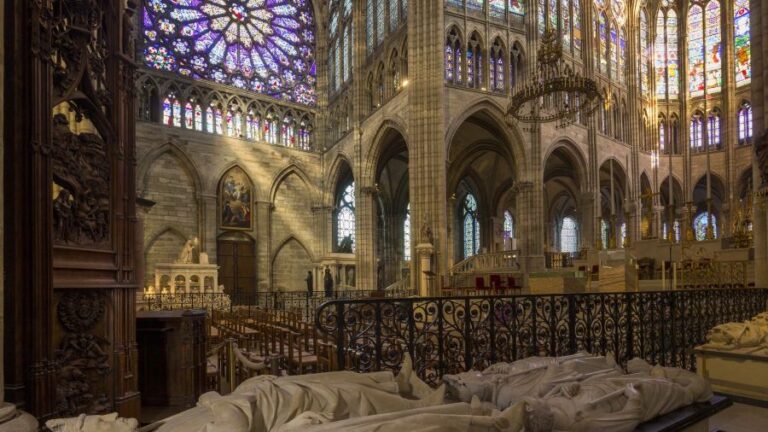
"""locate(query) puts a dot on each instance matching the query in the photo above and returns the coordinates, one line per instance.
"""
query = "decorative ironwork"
(554, 91)
(299, 301)
(450, 334)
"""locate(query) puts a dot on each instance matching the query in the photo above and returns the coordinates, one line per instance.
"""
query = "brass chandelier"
(554, 91)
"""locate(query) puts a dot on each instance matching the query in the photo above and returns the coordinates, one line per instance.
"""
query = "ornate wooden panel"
(70, 194)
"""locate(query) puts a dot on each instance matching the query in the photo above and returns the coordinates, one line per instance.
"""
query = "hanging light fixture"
(554, 91)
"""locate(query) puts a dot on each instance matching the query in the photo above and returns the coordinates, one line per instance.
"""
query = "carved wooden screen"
(70, 203)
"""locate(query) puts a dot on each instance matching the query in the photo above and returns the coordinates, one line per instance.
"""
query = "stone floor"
(740, 418)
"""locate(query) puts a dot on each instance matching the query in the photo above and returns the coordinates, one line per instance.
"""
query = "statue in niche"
(187, 254)
(310, 286)
(426, 233)
(346, 245)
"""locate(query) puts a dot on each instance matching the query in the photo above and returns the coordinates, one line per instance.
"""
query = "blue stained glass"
(471, 226)
(700, 226)
(742, 43)
(696, 51)
(231, 41)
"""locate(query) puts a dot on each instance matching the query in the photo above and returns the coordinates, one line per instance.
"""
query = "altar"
(187, 278)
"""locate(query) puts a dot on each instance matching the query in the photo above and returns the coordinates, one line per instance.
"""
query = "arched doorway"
(612, 222)
(562, 198)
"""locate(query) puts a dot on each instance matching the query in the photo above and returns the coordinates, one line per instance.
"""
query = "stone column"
(426, 125)
(424, 253)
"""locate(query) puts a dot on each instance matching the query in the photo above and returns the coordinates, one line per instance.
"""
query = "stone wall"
(290, 267)
(180, 170)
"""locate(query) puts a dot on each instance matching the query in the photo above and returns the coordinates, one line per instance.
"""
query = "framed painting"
(235, 201)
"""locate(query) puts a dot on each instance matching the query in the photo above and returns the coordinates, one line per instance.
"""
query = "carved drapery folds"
(82, 355)
(81, 186)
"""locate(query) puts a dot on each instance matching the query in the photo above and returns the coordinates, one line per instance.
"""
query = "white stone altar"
(186, 278)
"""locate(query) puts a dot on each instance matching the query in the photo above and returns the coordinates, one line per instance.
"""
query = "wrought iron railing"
(299, 301)
(452, 334)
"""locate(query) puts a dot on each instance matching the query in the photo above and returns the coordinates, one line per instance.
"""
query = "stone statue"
(186, 256)
(266, 403)
(504, 384)
(573, 394)
(310, 286)
(345, 246)
(749, 334)
(426, 233)
(94, 423)
(457, 417)
(328, 283)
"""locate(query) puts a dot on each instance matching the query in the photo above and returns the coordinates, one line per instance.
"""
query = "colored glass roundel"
(261, 45)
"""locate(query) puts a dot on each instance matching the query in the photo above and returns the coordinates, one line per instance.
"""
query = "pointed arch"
(184, 160)
(283, 174)
(511, 133)
(378, 147)
(341, 162)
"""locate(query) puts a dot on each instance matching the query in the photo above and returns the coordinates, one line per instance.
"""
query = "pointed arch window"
(713, 131)
(675, 228)
(569, 235)
(697, 133)
(605, 233)
(623, 234)
(345, 214)
(645, 50)
(474, 62)
(663, 135)
(253, 125)
(700, 224)
(340, 31)
(270, 128)
(509, 229)
(288, 132)
(471, 225)
(453, 58)
(305, 135)
(407, 233)
(189, 116)
(498, 70)
(704, 48)
(665, 53)
(745, 123)
(742, 42)
(172, 110)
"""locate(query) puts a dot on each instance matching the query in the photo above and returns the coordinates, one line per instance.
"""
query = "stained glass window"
(565, 22)
(450, 70)
(675, 227)
(742, 43)
(475, 4)
(644, 54)
(267, 47)
(394, 14)
(189, 112)
(380, 21)
(407, 233)
(605, 233)
(576, 24)
(497, 8)
(305, 135)
(517, 7)
(498, 69)
(622, 55)
(673, 80)
(288, 132)
(471, 226)
(713, 47)
(696, 51)
(370, 34)
(745, 123)
(700, 224)
(253, 126)
(713, 131)
(623, 234)
(614, 51)
(569, 235)
(662, 135)
(603, 43)
(660, 55)
(697, 133)
(345, 215)
(509, 230)
(541, 14)
(270, 128)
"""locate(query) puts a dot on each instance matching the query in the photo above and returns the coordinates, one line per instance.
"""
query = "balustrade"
(453, 334)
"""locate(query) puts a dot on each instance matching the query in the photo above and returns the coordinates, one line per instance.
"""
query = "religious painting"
(235, 197)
